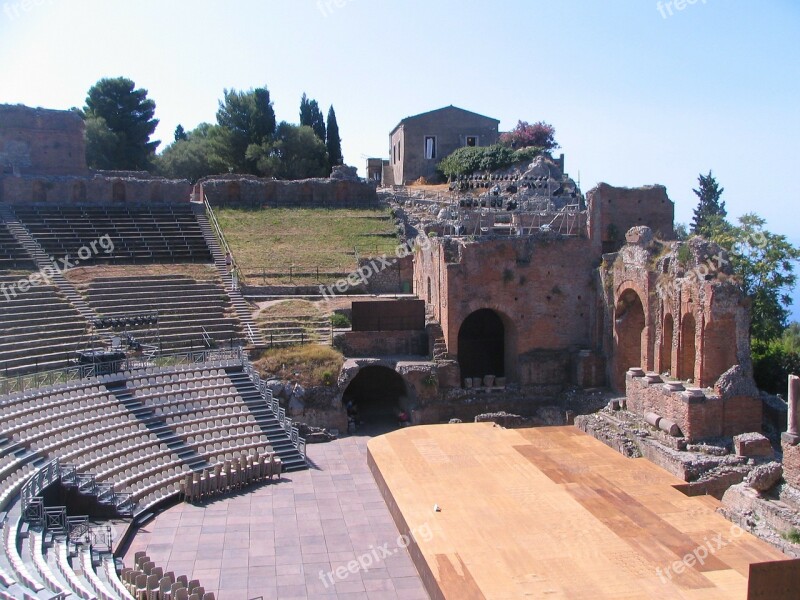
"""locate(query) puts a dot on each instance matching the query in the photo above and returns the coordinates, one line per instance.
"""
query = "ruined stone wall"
(99, 188)
(248, 191)
(674, 308)
(541, 287)
(398, 278)
(384, 343)
(614, 210)
(732, 408)
(40, 141)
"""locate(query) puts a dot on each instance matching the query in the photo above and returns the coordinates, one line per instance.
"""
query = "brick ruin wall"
(255, 192)
(543, 288)
(98, 188)
(40, 141)
(700, 414)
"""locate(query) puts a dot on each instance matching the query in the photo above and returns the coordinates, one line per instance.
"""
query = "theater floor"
(553, 513)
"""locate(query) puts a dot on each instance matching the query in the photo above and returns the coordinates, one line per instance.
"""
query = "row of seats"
(187, 309)
(146, 581)
(244, 470)
(140, 233)
(41, 330)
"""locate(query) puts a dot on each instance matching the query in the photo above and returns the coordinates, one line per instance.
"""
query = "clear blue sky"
(638, 94)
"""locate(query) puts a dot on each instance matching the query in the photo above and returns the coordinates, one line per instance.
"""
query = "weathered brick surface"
(383, 343)
(791, 463)
(245, 190)
(699, 418)
(98, 188)
(40, 141)
(752, 444)
(542, 289)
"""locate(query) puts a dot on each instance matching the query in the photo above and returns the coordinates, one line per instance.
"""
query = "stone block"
(752, 445)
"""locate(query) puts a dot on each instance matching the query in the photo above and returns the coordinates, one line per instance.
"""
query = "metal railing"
(272, 403)
(21, 383)
(217, 228)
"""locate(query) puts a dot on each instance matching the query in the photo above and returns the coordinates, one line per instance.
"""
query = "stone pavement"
(287, 540)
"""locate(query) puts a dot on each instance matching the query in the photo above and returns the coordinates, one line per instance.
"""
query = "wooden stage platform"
(553, 513)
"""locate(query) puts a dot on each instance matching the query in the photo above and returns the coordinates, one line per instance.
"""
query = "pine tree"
(333, 142)
(180, 133)
(306, 118)
(710, 209)
(311, 116)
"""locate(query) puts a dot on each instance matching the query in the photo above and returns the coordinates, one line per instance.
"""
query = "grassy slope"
(273, 239)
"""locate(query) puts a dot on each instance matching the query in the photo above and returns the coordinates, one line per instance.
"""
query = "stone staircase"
(278, 438)
(44, 262)
(238, 302)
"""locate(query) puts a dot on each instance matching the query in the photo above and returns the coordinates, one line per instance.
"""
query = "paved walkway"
(288, 540)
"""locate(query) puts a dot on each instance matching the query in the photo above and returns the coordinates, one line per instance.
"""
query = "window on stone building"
(430, 147)
(472, 141)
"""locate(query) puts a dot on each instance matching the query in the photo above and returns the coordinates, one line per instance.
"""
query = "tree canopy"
(540, 135)
(119, 123)
(246, 139)
(311, 116)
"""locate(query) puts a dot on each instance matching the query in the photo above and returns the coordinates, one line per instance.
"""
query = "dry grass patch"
(199, 272)
(309, 365)
(275, 238)
(290, 308)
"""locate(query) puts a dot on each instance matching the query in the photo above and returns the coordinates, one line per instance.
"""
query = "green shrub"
(793, 536)
(470, 159)
(340, 321)
(772, 365)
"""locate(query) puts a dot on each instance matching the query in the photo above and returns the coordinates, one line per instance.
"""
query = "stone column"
(794, 397)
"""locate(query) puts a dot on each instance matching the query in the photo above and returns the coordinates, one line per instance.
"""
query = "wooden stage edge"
(552, 512)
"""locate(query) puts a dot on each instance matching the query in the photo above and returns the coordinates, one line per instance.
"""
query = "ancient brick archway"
(629, 323)
(688, 350)
(667, 336)
(378, 393)
(482, 345)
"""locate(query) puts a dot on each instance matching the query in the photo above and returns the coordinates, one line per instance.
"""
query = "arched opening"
(429, 290)
(118, 192)
(79, 192)
(378, 394)
(628, 329)
(687, 353)
(482, 345)
(667, 334)
(39, 192)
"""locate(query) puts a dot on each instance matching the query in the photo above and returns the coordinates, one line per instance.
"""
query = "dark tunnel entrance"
(379, 395)
(481, 345)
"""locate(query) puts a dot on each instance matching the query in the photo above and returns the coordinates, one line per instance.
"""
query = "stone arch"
(378, 392)
(688, 350)
(79, 191)
(667, 337)
(118, 192)
(38, 191)
(629, 327)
